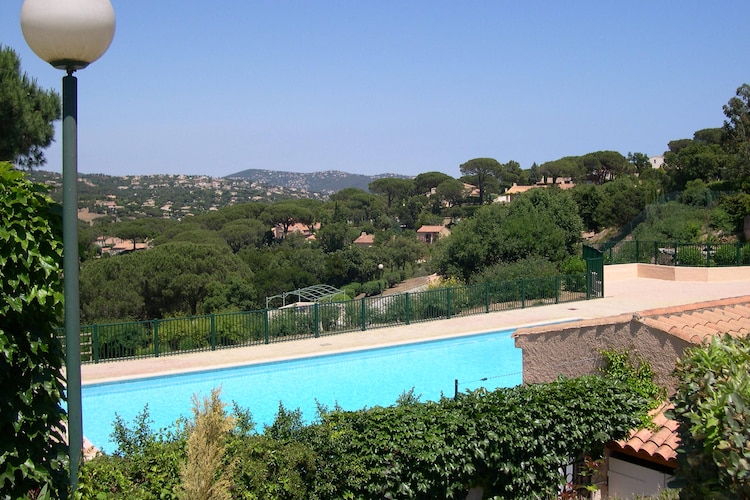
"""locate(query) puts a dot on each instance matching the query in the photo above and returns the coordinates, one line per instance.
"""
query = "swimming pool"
(352, 380)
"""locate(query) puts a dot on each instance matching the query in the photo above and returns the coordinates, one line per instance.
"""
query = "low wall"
(707, 274)
(619, 272)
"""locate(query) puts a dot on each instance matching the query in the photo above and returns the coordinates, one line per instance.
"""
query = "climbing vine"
(32, 452)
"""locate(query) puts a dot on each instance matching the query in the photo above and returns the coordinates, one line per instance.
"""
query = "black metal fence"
(676, 254)
(158, 337)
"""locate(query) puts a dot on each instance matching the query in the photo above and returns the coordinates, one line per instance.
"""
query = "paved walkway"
(621, 296)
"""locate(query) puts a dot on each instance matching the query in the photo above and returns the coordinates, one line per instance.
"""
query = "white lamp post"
(70, 34)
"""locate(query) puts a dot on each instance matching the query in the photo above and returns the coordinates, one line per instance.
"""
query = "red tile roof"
(658, 444)
(697, 323)
(430, 229)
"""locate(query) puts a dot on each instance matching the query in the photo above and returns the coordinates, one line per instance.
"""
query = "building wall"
(626, 480)
(574, 350)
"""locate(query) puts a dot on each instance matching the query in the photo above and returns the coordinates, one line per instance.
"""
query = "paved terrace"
(625, 292)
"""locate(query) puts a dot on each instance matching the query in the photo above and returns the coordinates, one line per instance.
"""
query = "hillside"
(326, 182)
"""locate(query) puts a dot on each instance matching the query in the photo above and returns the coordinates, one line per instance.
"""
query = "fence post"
(637, 251)
(363, 315)
(95, 342)
(155, 328)
(708, 254)
(448, 303)
(407, 306)
(317, 320)
(523, 293)
(557, 289)
(265, 325)
(486, 297)
(656, 252)
(213, 332)
(738, 253)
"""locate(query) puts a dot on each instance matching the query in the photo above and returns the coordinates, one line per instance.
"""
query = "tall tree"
(701, 157)
(450, 191)
(737, 133)
(393, 188)
(27, 114)
(483, 170)
(639, 161)
(287, 213)
(570, 166)
(605, 166)
(425, 182)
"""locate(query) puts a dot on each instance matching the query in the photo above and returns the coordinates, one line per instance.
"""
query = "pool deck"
(624, 293)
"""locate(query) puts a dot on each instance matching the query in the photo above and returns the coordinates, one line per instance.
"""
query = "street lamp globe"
(68, 34)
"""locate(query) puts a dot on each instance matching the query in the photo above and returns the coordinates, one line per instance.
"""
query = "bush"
(32, 451)
(690, 256)
(712, 405)
(372, 288)
(726, 255)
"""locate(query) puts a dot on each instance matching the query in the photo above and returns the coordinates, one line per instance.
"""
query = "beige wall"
(709, 274)
(573, 349)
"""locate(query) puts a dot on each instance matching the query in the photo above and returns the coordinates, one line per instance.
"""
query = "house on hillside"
(365, 240)
(109, 245)
(643, 463)
(303, 229)
(515, 189)
(430, 234)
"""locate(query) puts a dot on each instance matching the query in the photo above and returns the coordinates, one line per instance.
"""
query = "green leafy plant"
(712, 405)
(32, 449)
(629, 367)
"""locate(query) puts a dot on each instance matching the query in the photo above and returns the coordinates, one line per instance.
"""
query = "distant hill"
(326, 182)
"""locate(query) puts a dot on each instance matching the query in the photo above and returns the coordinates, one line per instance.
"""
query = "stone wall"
(573, 349)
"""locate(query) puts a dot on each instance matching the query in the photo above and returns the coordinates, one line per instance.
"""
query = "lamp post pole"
(70, 34)
(70, 273)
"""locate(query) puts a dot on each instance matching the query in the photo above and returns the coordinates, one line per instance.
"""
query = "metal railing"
(158, 337)
(676, 254)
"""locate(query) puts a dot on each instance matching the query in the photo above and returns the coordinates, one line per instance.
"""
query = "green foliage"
(690, 255)
(510, 441)
(736, 206)
(631, 369)
(170, 279)
(27, 114)
(542, 222)
(145, 465)
(712, 405)
(672, 221)
(736, 137)
(32, 452)
(483, 173)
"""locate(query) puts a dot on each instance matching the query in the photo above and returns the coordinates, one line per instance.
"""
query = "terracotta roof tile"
(696, 323)
(659, 444)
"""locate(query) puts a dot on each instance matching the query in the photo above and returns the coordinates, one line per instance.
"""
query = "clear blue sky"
(215, 87)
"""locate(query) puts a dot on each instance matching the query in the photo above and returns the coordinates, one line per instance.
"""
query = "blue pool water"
(353, 380)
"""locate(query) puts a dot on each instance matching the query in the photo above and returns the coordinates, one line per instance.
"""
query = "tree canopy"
(483, 171)
(27, 114)
(737, 132)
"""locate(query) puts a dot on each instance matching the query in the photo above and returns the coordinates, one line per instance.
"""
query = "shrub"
(206, 474)
(712, 405)
(726, 255)
(690, 256)
(32, 452)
